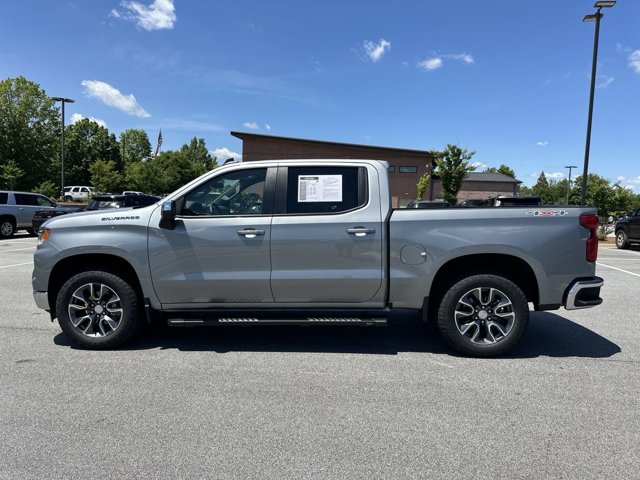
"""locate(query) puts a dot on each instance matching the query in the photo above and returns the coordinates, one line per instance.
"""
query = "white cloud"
(554, 175)
(76, 117)
(431, 63)
(114, 13)
(604, 81)
(632, 183)
(478, 165)
(159, 15)
(375, 51)
(114, 98)
(251, 125)
(267, 127)
(224, 153)
(634, 61)
(465, 57)
(542, 143)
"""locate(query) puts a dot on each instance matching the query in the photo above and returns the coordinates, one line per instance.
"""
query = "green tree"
(543, 190)
(105, 177)
(197, 152)
(85, 142)
(29, 131)
(423, 184)
(134, 145)
(47, 188)
(11, 173)
(502, 169)
(452, 167)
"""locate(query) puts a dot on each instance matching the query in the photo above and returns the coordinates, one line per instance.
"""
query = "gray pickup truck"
(312, 242)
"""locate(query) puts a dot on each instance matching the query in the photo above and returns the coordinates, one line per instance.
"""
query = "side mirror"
(168, 215)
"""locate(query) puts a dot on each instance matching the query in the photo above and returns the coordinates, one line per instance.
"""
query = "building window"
(408, 169)
(391, 168)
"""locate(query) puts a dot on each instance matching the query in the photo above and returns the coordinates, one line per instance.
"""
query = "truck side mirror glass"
(168, 215)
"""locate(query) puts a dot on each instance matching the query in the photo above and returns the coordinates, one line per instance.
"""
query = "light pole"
(63, 101)
(590, 18)
(570, 167)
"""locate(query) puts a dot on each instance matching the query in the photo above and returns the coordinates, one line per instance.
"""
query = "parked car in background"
(512, 201)
(132, 192)
(471, 202)
(80, 193)
(41, 216)
(428, 204)
(628, 229)
(102, 202)
(17, 209)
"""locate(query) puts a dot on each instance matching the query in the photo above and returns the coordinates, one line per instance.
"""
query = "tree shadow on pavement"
(548, 335)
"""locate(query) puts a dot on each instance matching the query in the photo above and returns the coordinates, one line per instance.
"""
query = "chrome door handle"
(360, 231)
(250, 233)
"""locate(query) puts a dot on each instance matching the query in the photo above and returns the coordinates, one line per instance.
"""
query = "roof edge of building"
(241, 136)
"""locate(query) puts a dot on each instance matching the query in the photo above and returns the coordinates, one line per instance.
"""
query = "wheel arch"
(510, 267)
(69, 266)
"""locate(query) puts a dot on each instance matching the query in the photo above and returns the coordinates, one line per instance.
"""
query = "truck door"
(218, 252)
(326, 236)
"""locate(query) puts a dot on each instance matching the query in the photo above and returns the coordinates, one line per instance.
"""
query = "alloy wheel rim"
(484, 315)
(95, 310)
(6, 228)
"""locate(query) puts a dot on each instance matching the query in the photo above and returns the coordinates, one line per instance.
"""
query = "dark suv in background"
(628, 229)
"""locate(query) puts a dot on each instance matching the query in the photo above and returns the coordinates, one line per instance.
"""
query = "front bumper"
(42, 300)
(583, 293)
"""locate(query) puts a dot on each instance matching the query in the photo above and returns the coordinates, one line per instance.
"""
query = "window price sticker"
(320, 188)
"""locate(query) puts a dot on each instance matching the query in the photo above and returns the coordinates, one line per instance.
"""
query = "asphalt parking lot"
(325, 402)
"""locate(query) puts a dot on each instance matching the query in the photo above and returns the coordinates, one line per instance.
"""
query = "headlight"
(43, 235)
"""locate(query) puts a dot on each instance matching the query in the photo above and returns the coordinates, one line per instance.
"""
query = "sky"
(507, 78)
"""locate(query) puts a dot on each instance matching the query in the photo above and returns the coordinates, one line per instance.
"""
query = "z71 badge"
(547, 213)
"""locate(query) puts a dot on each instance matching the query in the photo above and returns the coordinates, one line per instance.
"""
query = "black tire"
(483, 315)
(68, 199)
(31, 232)
(622, 240)
(7, 227)
(99, 310)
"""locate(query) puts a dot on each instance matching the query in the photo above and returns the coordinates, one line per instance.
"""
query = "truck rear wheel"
(483, 315)
(7, 227)
(98, 310)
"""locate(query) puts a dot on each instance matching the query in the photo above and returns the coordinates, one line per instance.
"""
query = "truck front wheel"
(98, 310)
(483, 315)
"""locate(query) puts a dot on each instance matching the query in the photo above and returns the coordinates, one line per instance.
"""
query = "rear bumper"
(583, 293)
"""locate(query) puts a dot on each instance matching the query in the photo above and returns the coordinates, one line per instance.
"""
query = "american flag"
(159, 143)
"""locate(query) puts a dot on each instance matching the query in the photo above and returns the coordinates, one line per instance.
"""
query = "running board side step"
(194, 322)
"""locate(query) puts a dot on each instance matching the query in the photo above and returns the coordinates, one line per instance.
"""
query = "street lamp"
(590, 18)
(63, 101)
(570, 167)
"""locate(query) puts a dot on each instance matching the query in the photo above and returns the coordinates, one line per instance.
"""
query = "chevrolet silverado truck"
(312, 242)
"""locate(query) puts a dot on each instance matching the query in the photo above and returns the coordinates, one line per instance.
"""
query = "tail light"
(591, 222)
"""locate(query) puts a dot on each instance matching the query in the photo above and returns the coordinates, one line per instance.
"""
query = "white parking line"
(16, 249)
(16, 265)
(619, 269)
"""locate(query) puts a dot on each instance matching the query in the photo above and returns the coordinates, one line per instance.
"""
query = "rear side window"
(25, 199)
(322, 190)
(4, 196)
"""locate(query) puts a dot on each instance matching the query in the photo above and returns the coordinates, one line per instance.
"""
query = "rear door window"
(322, 190)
